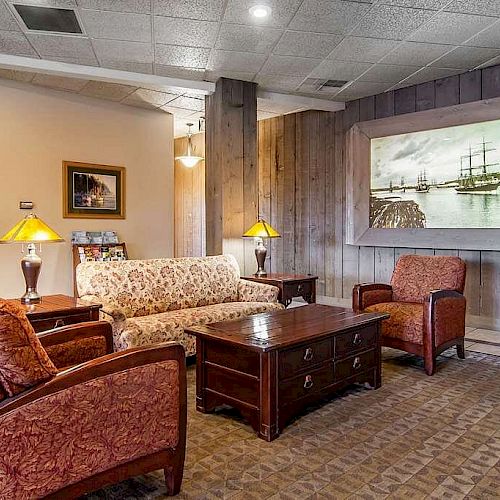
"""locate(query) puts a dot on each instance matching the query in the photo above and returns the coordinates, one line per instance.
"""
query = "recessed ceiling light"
(260, 11)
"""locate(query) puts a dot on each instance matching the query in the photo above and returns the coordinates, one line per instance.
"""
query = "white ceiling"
(376, 45)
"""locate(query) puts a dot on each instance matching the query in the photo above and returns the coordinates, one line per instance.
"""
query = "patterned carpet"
(417, 436)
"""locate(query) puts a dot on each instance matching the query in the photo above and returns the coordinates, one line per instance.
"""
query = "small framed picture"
(93, 191)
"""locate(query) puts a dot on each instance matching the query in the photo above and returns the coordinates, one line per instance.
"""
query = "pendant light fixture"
(189, 159)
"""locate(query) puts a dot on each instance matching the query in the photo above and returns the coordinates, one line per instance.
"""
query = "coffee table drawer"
(348, 343)
(297, 359)
(305, 384)
(355, 364)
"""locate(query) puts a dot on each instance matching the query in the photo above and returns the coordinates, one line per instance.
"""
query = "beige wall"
(38, 130)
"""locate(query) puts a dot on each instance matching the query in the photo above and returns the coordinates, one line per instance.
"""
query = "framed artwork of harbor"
(429, 179)
(92, 191)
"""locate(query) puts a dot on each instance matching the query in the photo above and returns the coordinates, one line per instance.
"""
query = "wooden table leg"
(269, 397)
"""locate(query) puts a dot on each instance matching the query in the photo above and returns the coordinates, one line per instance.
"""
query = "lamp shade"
(261, 229)
(31, 230)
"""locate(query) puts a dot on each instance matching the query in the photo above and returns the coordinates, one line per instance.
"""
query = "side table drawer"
(348, 343)
(355, 364)
(305, 384)
(41, 325)
(294, 360)
(297, 289)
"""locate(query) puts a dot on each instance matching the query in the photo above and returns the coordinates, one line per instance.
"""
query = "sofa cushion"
(23, 361)
(169, 326)
(417, 275)
(144, 287)
(406, 321)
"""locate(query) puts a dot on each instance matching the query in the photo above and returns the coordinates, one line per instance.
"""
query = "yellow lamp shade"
(31, 230)
(261, 229)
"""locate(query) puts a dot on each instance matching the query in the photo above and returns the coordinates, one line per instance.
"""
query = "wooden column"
(231, 176)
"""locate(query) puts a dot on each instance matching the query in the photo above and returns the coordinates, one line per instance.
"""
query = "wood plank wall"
(189, 206)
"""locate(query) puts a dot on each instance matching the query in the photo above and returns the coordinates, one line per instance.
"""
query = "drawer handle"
(308, 355)
(357, 363)
(59, 323)
(357, 339)
(299, 289)
(308, 382)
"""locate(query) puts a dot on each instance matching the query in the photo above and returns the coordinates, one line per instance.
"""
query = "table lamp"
(29, 231)
(260, 230)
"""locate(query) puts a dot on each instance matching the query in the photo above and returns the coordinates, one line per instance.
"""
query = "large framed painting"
(426, 180)
(92, 191)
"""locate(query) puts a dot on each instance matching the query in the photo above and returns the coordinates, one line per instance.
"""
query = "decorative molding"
(358, 177)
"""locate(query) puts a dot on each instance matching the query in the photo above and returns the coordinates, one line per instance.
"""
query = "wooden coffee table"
(270, 366)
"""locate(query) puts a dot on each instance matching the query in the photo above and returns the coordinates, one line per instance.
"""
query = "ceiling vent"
(48, 19)
(336, 84)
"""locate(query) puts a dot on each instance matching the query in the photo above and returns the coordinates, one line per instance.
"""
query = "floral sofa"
(151, 301)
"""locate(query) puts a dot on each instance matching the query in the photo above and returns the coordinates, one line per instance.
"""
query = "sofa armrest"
(108, 310)
(252, 291)
(368, 294)
(444, 316)
(75, 344)
(94, 419)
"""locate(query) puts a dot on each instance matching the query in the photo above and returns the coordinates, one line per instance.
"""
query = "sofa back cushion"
(23, 361)
(143, 287)
(417, 275)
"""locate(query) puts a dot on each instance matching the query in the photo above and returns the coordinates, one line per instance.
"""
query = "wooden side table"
(59, 310)
(290, 285)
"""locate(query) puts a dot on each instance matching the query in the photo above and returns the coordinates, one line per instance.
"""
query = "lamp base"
(260, 255)
(31, 265)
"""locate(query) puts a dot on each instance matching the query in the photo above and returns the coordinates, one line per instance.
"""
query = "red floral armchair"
(426, 306)
(67, 432)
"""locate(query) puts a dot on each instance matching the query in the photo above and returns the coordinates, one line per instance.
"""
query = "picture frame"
(93, 191)
(358, 178)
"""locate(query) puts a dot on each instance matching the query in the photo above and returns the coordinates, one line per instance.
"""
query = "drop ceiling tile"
(148, 99)
(360, 49)
(7, 21)
(105, 90)
(392, 22)
(340, 70)
(288, 65)
(419, 54)
(121, 51)
(185, 32)
(138, 6)
(188, 103)
(490, 37)
(18, 76)
(278, 83)
(386, 73)
(259, 39)
(15, 43)
(282, 11)
(361, 89)
(178, 112)
(59, 82)
(419, 4)
(177, 72)
(275, 107)
(213, 76)
(429, 73)
(132, 66)
(203, 10)
(117, 25)
(493, 62)
(264, 115)
(65, 4)
(482, 7)
(90, 60)
(328, 16)
(466, 57)
(62, 46)
(235, 61)
(451, 28)
(188, 57)
(303, 44)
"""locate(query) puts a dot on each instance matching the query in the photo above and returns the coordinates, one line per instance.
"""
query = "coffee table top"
(268, 331)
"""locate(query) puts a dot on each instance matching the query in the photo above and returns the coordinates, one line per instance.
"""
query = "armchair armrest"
(75, 344)
(252, 291)
(113, 312)
(444, 316)
(88, 424)
(368, 294)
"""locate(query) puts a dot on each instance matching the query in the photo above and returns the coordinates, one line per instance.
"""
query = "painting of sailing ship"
(93, 191)
(444, 178)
